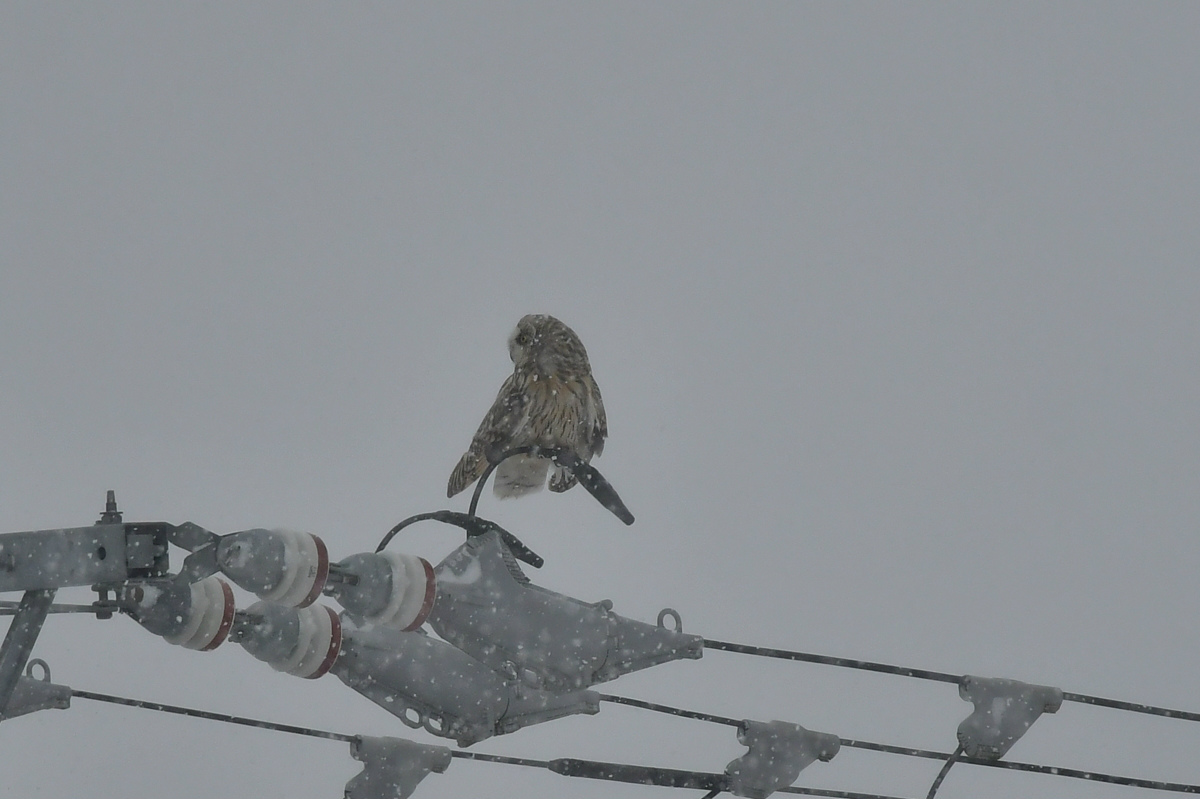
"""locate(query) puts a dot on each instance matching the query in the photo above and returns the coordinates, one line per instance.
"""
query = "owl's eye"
(522, 338)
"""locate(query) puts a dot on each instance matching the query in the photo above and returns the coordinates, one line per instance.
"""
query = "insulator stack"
(195, 616)
(282, 566)
(303, 642)
(391, 589)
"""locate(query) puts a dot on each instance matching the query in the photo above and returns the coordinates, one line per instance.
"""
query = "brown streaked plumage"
(550, 400)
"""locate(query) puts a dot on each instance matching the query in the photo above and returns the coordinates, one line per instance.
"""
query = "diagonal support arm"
(22, 634)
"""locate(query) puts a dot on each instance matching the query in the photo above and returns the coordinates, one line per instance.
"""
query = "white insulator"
(413, 592)
(306, 568)
(210, 616)
(318, 646)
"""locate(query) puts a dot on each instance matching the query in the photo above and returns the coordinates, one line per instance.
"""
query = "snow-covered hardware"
(393, 767)
(36, 693)
(282, 566)
(1004, 710)
(303, 642)
(778, 753)
(485, 607)
(75, 556)
(428, 683)
(389, 588)
(195, 616)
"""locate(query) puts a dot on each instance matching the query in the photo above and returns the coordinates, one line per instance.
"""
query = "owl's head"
(542, 344)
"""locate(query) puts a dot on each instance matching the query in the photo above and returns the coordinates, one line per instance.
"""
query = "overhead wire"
(565, 766)
(946, 757)
(623, 772)
(849, 663)
(648, 774)
(938, 676)
(211, 716)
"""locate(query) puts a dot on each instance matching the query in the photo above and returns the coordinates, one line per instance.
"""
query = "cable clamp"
(778, 753)
(1004, 710)
(392, 767)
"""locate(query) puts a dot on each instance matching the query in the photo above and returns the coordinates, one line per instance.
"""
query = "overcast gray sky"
(894, 309)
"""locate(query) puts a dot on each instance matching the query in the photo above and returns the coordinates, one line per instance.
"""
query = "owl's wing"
(600, 428)
(496, 428)
(562, 479)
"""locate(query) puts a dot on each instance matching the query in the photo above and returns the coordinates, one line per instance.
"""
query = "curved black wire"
(474, 526)
(941, 775)
(587, 475)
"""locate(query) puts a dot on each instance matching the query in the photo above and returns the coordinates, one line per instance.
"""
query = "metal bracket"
(392, 767)
(36, 693)
(1004, 710)
(18, 643)
(778, 753)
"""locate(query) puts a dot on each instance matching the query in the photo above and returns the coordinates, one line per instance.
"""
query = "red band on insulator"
(226, 618)
(430, 595)
(335, 644)
(322, 574)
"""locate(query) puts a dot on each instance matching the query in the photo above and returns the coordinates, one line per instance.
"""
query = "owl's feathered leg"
(470, 466)
(561, 480)
(520, 475)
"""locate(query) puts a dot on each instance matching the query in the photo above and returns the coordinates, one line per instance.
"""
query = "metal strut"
(22, 634)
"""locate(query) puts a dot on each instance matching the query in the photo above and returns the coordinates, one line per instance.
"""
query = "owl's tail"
(469, 467)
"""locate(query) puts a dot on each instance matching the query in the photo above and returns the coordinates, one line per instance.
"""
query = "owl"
(550, 400)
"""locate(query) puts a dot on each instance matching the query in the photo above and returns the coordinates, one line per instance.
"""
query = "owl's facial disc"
(518, 344)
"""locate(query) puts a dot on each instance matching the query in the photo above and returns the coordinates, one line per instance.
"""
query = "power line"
(666, 777)
(938, 676)
(206, 714)
(565, 766)
(1059, 771)
(651, 775)
(674, 711)
(1133, 707)
(575, 767)
(849, 663)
